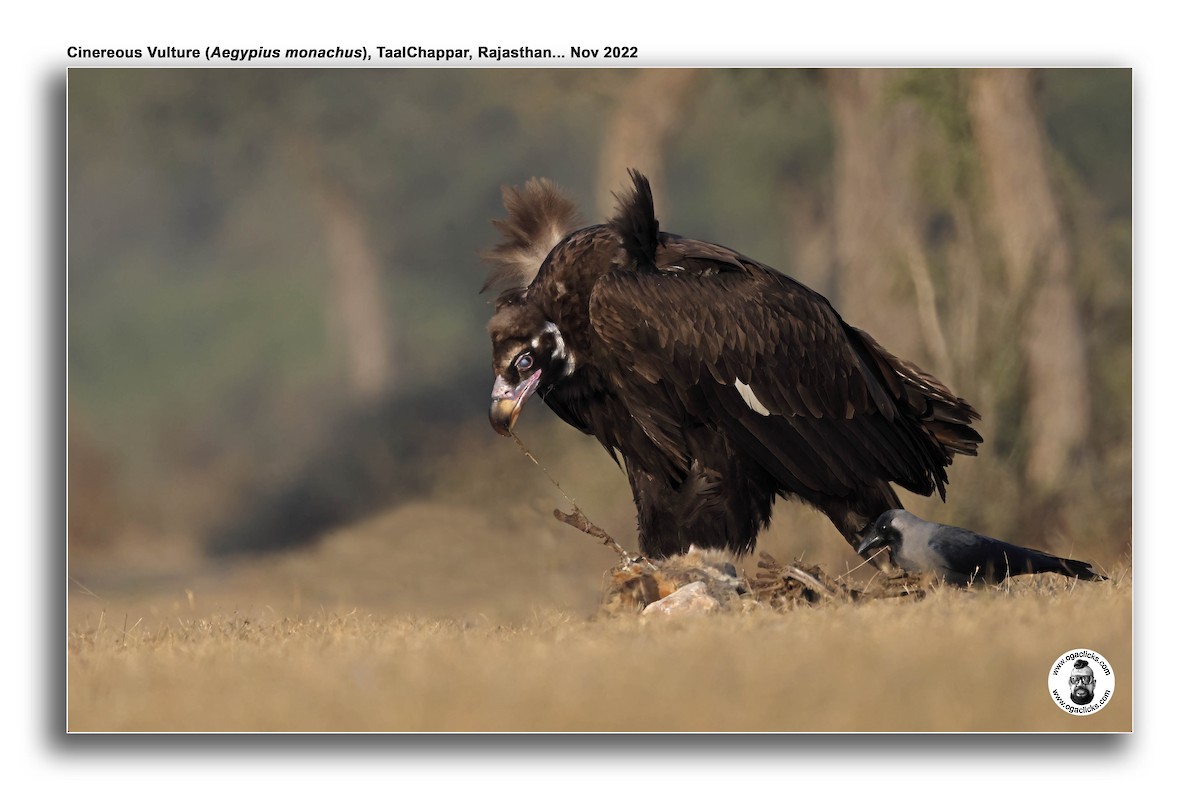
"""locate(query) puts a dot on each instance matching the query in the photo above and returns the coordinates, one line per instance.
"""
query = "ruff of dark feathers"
(539, 216)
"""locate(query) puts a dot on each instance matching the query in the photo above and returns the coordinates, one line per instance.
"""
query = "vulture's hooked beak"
(507, 401)
(872, 539)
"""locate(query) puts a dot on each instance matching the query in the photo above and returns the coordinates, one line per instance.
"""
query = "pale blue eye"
(524, 362)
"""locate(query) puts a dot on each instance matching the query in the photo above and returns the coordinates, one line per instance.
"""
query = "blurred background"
(277, 357)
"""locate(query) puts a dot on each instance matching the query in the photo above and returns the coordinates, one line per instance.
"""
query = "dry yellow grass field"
(390, 627)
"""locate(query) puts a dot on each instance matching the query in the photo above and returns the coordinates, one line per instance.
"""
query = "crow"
(960, 556)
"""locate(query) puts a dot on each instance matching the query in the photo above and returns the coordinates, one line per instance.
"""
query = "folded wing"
(769, 362)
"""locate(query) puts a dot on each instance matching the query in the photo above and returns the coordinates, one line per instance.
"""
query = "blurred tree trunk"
(1037, 261)
(876, 216)
(357, 311)
(810, 241)
(356, 304)
(648, 111)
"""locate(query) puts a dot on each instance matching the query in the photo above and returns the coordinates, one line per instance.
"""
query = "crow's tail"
(1023, 560)
(1078, 569)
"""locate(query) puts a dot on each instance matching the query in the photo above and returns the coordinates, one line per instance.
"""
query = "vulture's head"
(527, 352)
(527, 349)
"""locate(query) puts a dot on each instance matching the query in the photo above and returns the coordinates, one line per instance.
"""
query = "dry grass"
(386, 627)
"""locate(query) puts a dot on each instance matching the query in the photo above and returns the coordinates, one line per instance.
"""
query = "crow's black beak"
(872, 540)
(507, 401)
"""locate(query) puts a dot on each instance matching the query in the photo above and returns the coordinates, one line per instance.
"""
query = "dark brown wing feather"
(843, 412)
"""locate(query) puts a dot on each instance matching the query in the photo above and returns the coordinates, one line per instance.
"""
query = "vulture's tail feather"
(945, 416)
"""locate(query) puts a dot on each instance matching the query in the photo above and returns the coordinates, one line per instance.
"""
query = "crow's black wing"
(971, 553)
